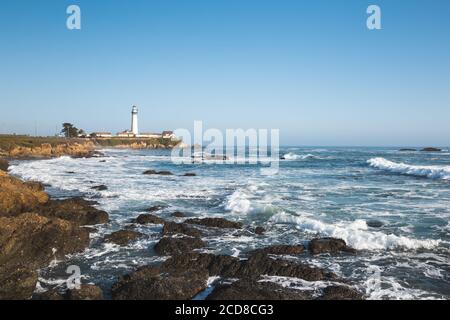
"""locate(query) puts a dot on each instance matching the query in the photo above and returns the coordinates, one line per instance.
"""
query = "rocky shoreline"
(36, 230)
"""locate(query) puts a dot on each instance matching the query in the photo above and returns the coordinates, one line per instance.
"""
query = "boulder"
(4, 164)
(329, 245)
(281, 250)
(76, 210)
(243, 290)
(374, 223)
(123, 237)
(150, 283)
(171, 228)
(17, 282)
(85, 292)
(189, 174)
(215, 223)
(341, 293)
(17, 197)
(149, 219)
(170, 246)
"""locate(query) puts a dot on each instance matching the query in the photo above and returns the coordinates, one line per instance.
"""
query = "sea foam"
(356, 233)
(433, 172)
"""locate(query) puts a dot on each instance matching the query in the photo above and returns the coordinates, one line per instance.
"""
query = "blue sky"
(310, 68)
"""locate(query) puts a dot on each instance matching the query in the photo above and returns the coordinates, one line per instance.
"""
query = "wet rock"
(17, 282)
(260, 230)
(101, 187)
(407, 150)
(103, 161)
(281, 250)
(49, 295)
(215, 223)
(149, 219)
(70, 172)
(216, 265)
(374, 224)
(429, 149)
(123, 237)
(154, 208)
(341, 293)
(329, 245)
(189, 174)
(4, 165)
(255, 290)
(86, 292)
(18, 197)
(170, 246)
(162, 173)
(171, 228)
(260, 264)
(76, 210)
(178, 214)
(149, 283)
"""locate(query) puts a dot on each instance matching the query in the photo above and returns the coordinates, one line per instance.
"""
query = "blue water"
(318, 191)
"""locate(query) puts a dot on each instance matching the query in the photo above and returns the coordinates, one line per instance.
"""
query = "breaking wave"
(433, 172)
(356, 234)
(292, 156)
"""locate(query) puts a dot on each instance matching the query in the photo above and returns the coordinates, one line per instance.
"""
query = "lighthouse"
(134, 121)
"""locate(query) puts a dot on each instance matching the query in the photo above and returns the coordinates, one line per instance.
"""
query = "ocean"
(392, 206)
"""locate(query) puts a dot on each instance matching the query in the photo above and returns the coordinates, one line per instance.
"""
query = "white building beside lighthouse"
(134, 121)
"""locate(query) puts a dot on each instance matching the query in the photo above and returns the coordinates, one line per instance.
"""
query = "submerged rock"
(149, 219)
(154, 208)
(407, 150)
(101, 187)
(255, 290)
(329, 245)
(76, 210)
(260, 230)
(374, 223)
(163, 173)
(178, 214)
(215, 222)
(341, 293)
(171, 228)
(429, 149)
(170, 246)
(150, 283)
(123, 237)
(189, 174)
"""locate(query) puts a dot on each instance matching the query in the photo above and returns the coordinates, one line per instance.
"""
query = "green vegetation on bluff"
(8, 142)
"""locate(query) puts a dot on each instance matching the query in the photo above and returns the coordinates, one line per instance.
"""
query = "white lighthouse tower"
(134, 121)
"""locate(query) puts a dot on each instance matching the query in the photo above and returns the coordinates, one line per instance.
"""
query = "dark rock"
(86, 292)
(260, 230)
(49, 295)
(407, 150)
(216, 265)
(374, 223)
(17, 282)
(101, 187)
(341, 293)
(149, 283)
(178, 214)
(260, 264)
(76, 210)
(149, 219)
(329, 245)
(4, 165)
(154, 208)
(102, 161)
(215, 223)
(123, 237)
(70, 172)
(190, 174)
(162, 173)
(171, 228)
(281, 250)
(431, 150)
(254, 290)
(170, 246)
